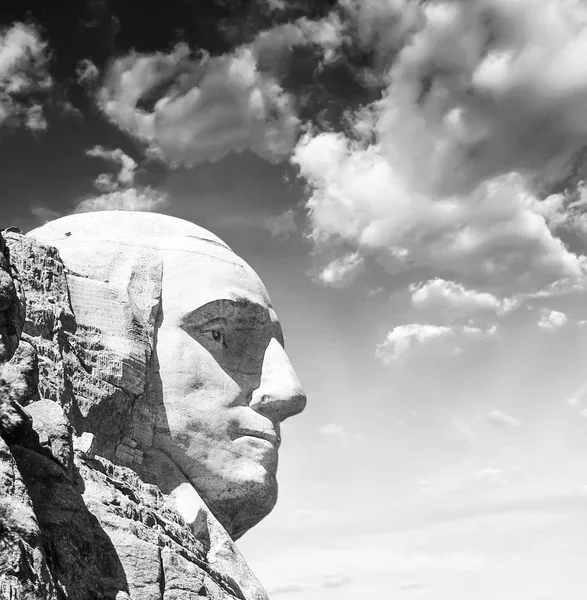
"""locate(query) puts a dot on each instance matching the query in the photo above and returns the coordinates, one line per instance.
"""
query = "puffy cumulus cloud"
(194, 109)
(405, 339)
(497, 86)
(484, 109)
(444, 295)
(494, 236)
(105, 182)
(341, 271)
(326, 36)
(380, 26)
(24, 78)
(124, 199)
(552, 320)
(502, 420)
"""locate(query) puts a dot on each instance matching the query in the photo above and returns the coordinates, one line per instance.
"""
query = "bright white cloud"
(341, 271)
(191, 108)
(454, 297)
(202, 108)
(438, 339)
(552, 320)
(24, 78)
(494, 235)
(126, 164)
(406, 337)
(485, 100)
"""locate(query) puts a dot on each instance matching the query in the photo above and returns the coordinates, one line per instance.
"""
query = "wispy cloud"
(405, 340)
(125, 177)
(457, 300)
(501, 419)
(341, 271)
(410, 585)
(340, 433)
(492, 475)
(282, 225)
(328, 581)
(124, 199)
(118, 190)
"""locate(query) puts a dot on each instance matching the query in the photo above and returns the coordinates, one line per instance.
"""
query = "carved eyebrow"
(228, 310)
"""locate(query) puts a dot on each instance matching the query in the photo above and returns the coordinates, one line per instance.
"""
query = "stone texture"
(153, 380)
(12, 306)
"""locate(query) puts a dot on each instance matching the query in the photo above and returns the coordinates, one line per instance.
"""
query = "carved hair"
(93, 332)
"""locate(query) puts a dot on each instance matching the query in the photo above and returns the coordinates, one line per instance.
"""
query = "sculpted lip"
(263, 435)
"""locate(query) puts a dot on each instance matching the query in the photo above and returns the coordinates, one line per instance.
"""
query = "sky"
(407, 178)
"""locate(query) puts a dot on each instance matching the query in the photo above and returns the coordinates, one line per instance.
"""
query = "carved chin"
(242, 504)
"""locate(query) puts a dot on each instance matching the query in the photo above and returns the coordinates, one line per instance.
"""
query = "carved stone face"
(224, 383)
(227, 382)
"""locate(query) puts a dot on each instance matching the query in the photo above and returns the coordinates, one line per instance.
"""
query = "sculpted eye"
(217, 336)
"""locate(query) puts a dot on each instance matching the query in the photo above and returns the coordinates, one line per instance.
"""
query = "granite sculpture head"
(187, 328)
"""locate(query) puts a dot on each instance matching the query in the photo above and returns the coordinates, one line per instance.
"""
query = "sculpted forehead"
(197, 266)
(192, 278)
(134, 228)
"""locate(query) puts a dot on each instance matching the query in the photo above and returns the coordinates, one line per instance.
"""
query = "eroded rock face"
(153, 379)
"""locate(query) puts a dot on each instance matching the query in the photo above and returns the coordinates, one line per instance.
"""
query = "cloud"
(45, 214)
(405, 339)
(380, 26)
(339, 432)
(493, 237)
(579, 400)
(285, 589)
(552, 320)
(497, 86)
(491, 475)
(190, 110)
(124, 199)
(327, 581)
(272, 47)
(410, 585)
(483, 111)
(341, 271)
(126, 173)
(24, 78)
(87, 73)
(502, 420)
(283, 225)
(456, 298)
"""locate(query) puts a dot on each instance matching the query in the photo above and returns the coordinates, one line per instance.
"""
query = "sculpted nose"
(280, 394)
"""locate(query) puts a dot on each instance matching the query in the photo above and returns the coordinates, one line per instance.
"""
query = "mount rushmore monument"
(143, 384)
